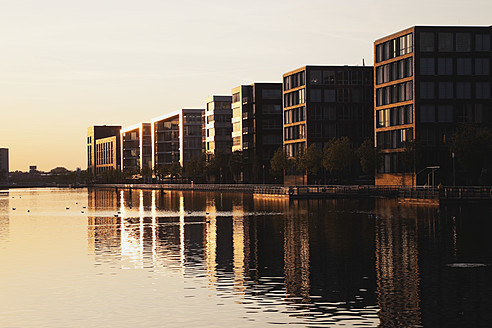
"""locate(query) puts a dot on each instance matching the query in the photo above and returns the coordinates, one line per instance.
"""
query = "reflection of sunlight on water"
(238, 237)
(211, 245)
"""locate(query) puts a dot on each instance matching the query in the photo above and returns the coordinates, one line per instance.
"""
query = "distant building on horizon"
(4, 164)
(325, 102)
(176, 137)
(217, 124)
(257, 127)
(429, 81)
(96, 148)
(136, 147)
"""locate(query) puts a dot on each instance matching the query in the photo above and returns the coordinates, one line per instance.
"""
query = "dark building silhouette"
(325, 102)
(429, 81)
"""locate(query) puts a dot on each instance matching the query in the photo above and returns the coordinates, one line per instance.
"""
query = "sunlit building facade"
(218, 127)
(257, 127)
(136, 148)
(429, 81)
(99, 132)
(176, 137)
(325, 102)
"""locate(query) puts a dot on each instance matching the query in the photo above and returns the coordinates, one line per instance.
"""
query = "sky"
(66, 65)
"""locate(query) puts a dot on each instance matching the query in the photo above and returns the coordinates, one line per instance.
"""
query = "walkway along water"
(430, 195)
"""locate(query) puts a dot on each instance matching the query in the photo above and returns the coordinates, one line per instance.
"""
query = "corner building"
(103, 148)
(325, 102)
(257, 127)
(136, 148)
(429, 80)
(218, 127)
(177, 137)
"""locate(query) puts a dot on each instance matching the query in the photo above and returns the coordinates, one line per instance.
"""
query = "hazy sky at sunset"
(66, 65)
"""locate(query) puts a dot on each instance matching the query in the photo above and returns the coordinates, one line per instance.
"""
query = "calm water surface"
(105, 258)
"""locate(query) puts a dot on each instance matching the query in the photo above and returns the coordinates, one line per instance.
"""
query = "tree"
(368, 157)
(175, 170)
(196, 168)
(236, 165)
(162, 170)
(338, 155)
(279, 162)
(312, 159)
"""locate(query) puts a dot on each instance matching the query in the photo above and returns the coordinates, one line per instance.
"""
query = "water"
(103, 258)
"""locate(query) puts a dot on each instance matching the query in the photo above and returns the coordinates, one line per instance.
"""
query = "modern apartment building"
(218, 127)
(107, 154)
(429, 80)
(176, 137)
(257, 127)
(325, 102)
(136, 147)
(4, 164)
(95, 133)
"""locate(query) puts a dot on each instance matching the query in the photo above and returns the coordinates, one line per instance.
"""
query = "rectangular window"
(328, 77)
(482, 90)
(444, 66)
(464, 66)
(330, 95)
(315, 95)
(463, 90)
(482, 42)
(427, 90)
(427, 114)
(445, 42)
(463, 42)
(315, 77)
(445, 113)
(426, 41)
(482, 66)
(445, 90)
(427, 66)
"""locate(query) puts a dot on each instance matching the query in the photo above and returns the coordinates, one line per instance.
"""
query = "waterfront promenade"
(419, 194)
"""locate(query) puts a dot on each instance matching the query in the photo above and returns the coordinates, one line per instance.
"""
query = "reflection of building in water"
(4, 215)
(296, 254)
(102, 199)
(210, 244)
(103, 232)
(397, 269)
(240, 240)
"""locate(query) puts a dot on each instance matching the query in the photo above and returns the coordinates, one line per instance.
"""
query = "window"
(236, 97)
(463, 90)
(427, 66)
(328, 77)
(464, 66)
(481, 66)
(445, 90)
(427, 114)
(426, 41)
(478, 113)
(445, 66)
(445, 113)
(482, 42)
(445, 42)
(315, 77)
(315, 95)
(463, 42)
(330, 95)
(271, 94)
(482, 90)
(427, 90)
